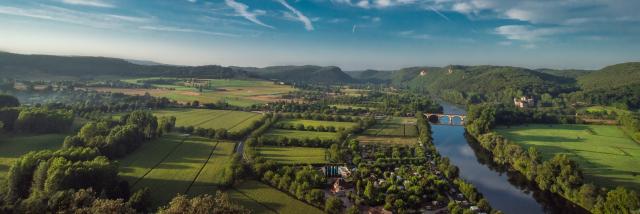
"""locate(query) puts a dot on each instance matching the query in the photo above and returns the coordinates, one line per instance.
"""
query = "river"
(504, 190)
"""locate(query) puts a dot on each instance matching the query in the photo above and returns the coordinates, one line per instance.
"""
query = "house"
(423, 73)
(524, 102)
(339, 186)
(344, 171)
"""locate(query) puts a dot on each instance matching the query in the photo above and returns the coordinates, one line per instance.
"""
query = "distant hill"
(372, 76)
(303, 74)
(20, 66)
(570, 73)
(488, 83)
(612, 77)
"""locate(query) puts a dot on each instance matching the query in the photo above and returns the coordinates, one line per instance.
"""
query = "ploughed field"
(609, 157)
(177, 164)
(391, 130)
(211, 119)
(275, 133)
(235, 92)
(180, 164)
(261, 198)
(14, 146)
(293, 155)
(316, 123)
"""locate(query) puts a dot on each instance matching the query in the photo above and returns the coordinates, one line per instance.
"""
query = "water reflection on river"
(493, 183)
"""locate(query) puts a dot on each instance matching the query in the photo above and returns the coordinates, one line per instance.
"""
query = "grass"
(301, 134)
(206, 118)
(235, 92)
(14, 146)
(316, 123)
(213, 172)
(173, 164)
(262, 198)
(609, 158)
(293, 155)
(394, 126)
(368, 139)
(343, 106)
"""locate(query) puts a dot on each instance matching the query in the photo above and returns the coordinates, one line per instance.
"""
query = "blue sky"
(352, 34)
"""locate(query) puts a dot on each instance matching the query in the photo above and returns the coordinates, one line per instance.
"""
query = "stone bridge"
(436, 117)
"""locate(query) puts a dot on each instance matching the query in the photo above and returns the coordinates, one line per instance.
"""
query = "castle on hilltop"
(524, 102)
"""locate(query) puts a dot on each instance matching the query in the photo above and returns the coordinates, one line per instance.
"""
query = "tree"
(353, 210)
(333, 205)
(140, 200)
(8, 101)
(369, 191)
(619, 200)
(202, 204)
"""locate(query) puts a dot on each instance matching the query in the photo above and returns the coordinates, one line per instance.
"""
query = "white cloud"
(185, 30)
(298, 15)
(410, 34)
(243, 10)
(528, 33)
(374, 3)
(92, 3)
(59, 14)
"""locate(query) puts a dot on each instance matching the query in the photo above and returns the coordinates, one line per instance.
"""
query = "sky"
(351, 34)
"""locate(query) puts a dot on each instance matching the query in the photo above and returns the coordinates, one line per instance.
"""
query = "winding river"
(504, 190)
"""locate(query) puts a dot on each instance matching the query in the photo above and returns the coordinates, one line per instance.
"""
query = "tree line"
(559, 175)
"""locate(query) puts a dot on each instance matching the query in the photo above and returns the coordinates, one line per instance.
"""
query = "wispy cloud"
(410, 34)
(243, 10)
(374, 3)
(59, 14)
(439, 13)
(299, 15)
(92, 3)
(527, 33)
(185, 30)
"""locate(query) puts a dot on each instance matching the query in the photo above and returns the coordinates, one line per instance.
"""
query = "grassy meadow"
(262, 198)
(174, 164)
(608, 157)
(14, 146)
(316, 123)
(394, 126)
(215, 119)
(293, 155)
(369, 139)
(235, 92)
(301, 134)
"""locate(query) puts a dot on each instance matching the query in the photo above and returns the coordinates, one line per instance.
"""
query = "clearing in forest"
(609, 157)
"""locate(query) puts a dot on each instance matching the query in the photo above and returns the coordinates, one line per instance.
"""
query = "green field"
(215, 119)
(608, 157)
(394, 126)
(235, 92)
(262, 198)
(301, 134)
(174, 164)
(342, 106)
(12, 147)
(316, 123)
(293, 155)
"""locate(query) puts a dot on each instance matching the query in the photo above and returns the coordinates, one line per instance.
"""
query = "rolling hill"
(612, 77)
(46, 66)
(303, 74)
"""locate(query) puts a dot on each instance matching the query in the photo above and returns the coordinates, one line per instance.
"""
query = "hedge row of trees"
(631, 123)
(559, 175)
(304, 183)
(32, 120)
(118, 138)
